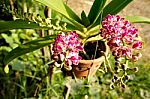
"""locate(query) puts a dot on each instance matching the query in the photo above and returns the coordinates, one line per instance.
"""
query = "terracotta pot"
(87, 68)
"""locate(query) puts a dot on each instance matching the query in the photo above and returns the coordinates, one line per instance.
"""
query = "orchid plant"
(120, 35)
(101, 23)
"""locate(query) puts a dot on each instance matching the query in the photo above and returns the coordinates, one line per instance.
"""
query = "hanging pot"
(87, 68)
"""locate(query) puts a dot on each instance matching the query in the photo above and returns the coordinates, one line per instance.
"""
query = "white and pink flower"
(66, 49)
(120, 36)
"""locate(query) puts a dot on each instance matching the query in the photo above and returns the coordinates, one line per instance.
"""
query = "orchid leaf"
(96, 10)
(115, 6)
(28, 47)
(138, 19)
(93, 31)
(25, 24)
(95, 38)
(85, 19)
(63, 9)
(18, 24)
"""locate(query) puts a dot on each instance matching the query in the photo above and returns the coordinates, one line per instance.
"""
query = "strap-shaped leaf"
(25, 24)
(18, 24)
(115, 6)
(96, 10)
(138, 19)
(63, 9)
(85, 19)
(28, 47)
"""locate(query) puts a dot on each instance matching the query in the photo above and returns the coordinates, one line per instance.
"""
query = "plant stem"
(12, 8)
(24, 6)
(87, 56)
(106, 58)
(95, 49)
(67, 90)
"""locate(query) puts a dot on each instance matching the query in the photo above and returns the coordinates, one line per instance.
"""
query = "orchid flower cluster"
(123, 41)
(121, 37)
(66, 50)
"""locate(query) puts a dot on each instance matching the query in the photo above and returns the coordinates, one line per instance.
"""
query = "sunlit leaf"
(138, 19)
(63, 9)
(114, 7)
(25, 24)
(93, 31)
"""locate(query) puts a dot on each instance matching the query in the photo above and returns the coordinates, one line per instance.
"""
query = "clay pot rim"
(97, 59)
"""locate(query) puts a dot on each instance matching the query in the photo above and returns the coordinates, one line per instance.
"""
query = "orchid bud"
(135, 69)
(139, 55)
(115, 77)
(117, 64)
(56, 64)
(128, 77)
(64, 26)
(57, 22)
(124, 66)
(69, 68)
(119, 59)
(86, 97)
(112, 86)
(113, 80)
(122, 85)
(116, 68)
(134, 58)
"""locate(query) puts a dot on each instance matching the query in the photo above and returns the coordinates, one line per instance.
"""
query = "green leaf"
(63, 9)
(28, 47)
(96, 10)
(93, 31)
(94, 38)
(85, 20)
(115, 6)
(138, 19)
(18, 24)
(25, 24)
